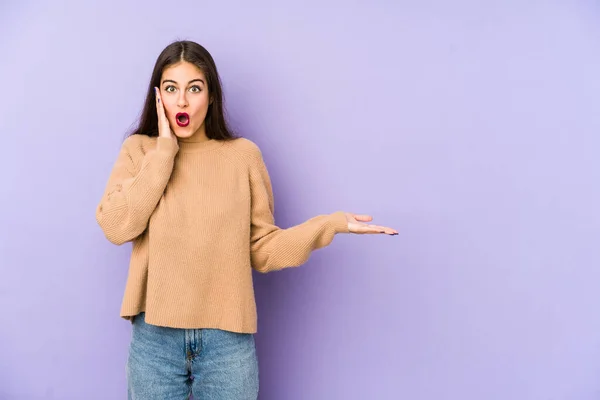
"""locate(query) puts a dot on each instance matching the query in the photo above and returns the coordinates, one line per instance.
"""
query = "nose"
(182, 101)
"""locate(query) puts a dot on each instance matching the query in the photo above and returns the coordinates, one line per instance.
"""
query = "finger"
(384, 229)
(158, 103)
(372, 229)
(389, 230)
(362, 217)
(368, 231)
(369, 226)
(160, 109)
(363, 228)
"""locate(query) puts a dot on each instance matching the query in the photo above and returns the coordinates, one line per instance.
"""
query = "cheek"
(200, 106)
(170, 109)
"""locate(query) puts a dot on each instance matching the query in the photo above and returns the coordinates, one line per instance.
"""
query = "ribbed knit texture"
(200, 215)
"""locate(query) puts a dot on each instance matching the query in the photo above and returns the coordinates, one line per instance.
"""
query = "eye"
(195, 89)
(170, 89)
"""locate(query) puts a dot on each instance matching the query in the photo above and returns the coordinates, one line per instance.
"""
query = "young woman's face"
(185, 97)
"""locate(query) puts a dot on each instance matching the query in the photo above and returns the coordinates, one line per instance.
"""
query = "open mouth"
(183, 119)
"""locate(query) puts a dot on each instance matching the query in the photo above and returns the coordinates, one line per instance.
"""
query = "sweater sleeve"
(132, 193)
(273, 248)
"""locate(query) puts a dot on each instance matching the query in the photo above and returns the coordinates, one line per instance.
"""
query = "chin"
(183, 133)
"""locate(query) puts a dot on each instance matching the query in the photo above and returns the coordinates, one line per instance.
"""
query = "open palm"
(357, 223)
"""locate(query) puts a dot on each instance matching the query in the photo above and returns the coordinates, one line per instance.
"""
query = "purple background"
(471, 127)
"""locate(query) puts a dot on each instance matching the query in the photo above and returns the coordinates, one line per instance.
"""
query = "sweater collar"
(192, 144)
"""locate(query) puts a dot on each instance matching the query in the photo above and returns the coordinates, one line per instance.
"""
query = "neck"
(198, 142)
(198, 137)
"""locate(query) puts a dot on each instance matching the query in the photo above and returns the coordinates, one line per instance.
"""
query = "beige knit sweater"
(200, 215)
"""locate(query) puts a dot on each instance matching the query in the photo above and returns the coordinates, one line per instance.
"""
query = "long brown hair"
(192, 52)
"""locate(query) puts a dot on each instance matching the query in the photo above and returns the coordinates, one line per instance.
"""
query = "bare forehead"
(183, 72)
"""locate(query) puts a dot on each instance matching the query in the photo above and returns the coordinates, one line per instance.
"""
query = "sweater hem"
(192, 324)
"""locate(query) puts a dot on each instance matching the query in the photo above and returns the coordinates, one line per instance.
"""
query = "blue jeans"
(172, 364)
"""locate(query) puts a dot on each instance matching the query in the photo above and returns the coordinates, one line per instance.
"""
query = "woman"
(197, 204)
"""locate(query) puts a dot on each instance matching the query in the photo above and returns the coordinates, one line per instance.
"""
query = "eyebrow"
(193, 80)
